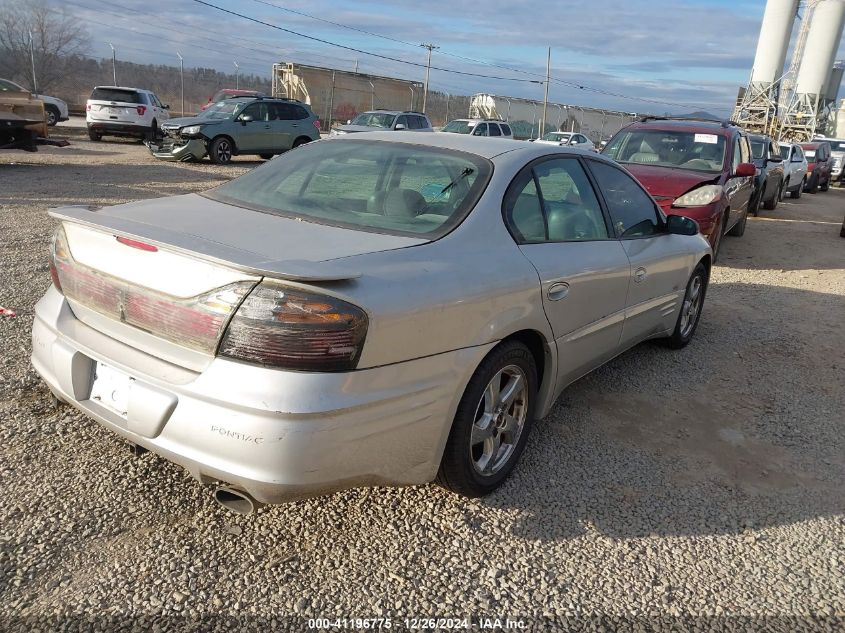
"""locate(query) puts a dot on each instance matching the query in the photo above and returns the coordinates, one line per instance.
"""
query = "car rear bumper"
(117, 128)
(277, 435)
(179, 149)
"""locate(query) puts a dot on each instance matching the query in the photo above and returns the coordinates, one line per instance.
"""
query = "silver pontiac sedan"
(367, 310)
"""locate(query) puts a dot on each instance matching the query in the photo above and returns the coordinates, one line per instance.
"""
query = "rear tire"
(755, 204)
(302, 140)
(812, 185)
(221, 150)
(797, 193)
(492, 423)
(691, 308)
(266, 156)
(151, 135)
(95, 136)
(826, 185)
(52, 114)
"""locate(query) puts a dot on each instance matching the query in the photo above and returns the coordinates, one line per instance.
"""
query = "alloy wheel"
(692, 304)
(499, 420)
(223, 151)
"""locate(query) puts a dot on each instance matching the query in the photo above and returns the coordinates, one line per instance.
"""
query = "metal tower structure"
(757, 111)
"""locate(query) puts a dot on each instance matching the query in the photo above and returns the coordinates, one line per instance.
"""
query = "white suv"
(118, 111)
(570, 139)
(479, 127)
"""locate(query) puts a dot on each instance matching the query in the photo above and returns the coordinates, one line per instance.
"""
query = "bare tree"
(56, 38)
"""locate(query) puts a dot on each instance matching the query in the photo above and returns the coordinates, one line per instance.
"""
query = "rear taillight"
(317, 123)
(194, 322)
(141, 110)
(295, 329)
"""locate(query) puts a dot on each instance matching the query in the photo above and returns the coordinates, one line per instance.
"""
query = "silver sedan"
(364, 310)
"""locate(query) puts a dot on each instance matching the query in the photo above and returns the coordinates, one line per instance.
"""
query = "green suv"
(243, 125)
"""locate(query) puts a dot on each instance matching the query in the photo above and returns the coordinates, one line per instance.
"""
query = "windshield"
(387, 187)
(375, 119)
(458, 127)
(667, 148)
(784, 151)
(556, 136)
(221, 110)
(758, 150)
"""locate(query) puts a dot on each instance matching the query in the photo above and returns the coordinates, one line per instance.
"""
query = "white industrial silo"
(811, 83)
(775, 30)
(758, 109)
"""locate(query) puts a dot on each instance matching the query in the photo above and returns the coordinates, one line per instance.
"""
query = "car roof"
(759, 137)
(812, 144)
(484, 146)
(395, 112)
(683, 125)
(121, 88)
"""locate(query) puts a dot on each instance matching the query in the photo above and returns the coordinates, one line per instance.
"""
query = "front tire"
(221, 151)
(738, 229)
(690, 309)
(492, 422)
(755, 204)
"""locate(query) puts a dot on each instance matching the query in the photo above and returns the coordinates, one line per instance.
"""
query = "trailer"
(525, 117)
(337, 96)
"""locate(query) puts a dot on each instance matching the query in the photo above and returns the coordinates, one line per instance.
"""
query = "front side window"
(8, 86)
(737, 155)
(785, 152)
(258, 112)
(402, 120)
(494, 129)
(480, 130)
(758, 150)
(387, 187)
(632, 210)
(554, 202)
(669, 148)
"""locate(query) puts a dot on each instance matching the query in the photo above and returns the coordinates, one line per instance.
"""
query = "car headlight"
(699, 197)
(191, 129)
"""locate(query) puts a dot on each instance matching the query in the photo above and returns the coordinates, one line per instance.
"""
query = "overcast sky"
(691, 54)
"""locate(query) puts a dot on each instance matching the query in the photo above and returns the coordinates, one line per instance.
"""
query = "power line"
(358, 50)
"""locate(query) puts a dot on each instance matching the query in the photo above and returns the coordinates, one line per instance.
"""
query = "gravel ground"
(694, 490)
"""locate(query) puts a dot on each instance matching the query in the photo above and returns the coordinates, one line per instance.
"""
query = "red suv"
(819, 165)
(698, 169)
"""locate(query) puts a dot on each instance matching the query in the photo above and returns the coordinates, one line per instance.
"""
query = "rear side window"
(633, 212)
(416, 122)
(480, 130)
(506, 130)
(288, 111)
(116, 94)
(494, 130)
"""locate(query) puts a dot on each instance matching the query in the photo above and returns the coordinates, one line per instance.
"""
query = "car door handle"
(294, 124)
(557, 291)
(640, 274)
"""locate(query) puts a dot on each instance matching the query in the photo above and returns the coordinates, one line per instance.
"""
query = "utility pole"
(448, 97)
(430, 48)
(372, 95)
(356, 66)
(541, 132)
(113, 63)
(181, 82)
(32, 61)
(237, 75)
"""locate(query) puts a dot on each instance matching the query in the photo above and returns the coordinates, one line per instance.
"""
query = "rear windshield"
(386, 187)
(668, 148)
(116, 94)
(459, 127)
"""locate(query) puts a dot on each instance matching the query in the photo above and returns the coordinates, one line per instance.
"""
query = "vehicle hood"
(257, 242)
(361, 128)
(190, 120)
(667, 182)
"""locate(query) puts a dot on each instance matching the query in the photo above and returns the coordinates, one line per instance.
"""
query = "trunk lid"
(166, 275)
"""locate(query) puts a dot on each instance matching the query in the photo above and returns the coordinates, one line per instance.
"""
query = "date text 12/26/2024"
(421, 624)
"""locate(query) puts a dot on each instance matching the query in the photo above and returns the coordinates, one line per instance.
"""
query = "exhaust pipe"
(236, 500)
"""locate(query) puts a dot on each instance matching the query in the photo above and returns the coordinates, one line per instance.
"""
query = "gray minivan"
(242, 125)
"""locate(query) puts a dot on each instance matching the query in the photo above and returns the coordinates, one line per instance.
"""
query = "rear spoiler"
(196, 246)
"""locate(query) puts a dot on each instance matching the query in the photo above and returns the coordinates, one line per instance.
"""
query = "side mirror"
(746, 170)
(399, 126)
(245, 118)
(348, 121)
(680, 225)
(573, 142)
(166, 107)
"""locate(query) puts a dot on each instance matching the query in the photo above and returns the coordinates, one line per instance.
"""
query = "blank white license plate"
(111, 388)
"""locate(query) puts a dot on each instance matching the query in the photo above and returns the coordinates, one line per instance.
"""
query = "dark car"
(819, 164)
(768, 184)
(698, 169)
